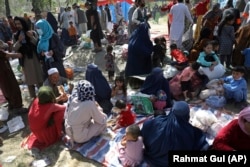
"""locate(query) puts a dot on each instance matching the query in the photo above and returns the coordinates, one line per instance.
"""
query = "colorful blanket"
(103, 149)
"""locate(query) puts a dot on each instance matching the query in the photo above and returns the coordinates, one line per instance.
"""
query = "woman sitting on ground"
(171, 132)
(45, 120)
(155, 82)
(235, 135)
(84, 118)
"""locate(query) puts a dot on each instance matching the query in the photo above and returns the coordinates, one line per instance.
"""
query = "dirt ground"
(58, 154)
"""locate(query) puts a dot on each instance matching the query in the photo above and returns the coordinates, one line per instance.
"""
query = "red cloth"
(231, 137)
(126, 117)
(201, 8)
(45, 121)
(167, 7)
(179, 56)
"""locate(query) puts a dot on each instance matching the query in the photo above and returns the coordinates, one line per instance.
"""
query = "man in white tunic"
(177, 17)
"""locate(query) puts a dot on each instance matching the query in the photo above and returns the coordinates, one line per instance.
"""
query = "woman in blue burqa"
(102, 89)
(171, 132)
(154, 82)
(139, 52)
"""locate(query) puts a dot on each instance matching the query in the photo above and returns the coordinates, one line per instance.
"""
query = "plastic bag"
(216, 101)
(169, 71)
(187, 39)
(142, 105)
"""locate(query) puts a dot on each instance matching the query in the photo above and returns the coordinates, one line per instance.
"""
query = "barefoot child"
(110, 63)
(131, 149)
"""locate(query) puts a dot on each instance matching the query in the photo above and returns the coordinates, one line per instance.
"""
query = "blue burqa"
(139, 52)
(102, 89)
(171, 132)
(156, 81)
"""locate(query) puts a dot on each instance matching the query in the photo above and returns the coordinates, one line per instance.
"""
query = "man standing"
(109, 24)
(80, 19)
(103, 18)
(140, 14)
(177, 18)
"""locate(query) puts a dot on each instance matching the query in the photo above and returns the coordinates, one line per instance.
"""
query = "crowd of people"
(80, 112)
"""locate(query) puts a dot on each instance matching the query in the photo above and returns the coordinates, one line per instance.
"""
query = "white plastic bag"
(187, 39)
(169, 71)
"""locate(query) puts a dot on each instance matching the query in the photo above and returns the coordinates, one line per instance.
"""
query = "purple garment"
(133, 153)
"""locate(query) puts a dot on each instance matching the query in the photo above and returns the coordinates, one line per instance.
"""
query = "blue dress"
(140, 49)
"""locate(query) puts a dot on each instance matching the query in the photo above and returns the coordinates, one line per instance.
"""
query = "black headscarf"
(27, 48)
(52, 21)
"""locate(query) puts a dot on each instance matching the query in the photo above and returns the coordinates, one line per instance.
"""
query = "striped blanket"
(103, 149)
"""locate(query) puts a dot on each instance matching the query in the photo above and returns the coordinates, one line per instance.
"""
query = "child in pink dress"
(131, 147)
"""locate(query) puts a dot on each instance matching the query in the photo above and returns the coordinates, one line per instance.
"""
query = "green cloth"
(46, 95)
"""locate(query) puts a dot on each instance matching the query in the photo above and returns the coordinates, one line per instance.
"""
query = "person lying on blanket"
(235, 135)
(84, 118)
(131, 147)
(171, 132)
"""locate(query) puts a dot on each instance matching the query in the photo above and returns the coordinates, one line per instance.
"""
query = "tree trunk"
(7, 7)
(36, 4)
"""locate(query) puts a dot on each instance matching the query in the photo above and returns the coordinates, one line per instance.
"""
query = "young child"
(72, 33)
(185, 79)
(210, 63)
(226, 39)
(131, 147)
(235, 86)
(122, 114)
(110, 62)
(181, 60)
(119, 90)
(157, 53)
(164, 50)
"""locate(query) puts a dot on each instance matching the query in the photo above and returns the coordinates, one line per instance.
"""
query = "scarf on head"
(27, 47)
(244, 115)
(46, 95)
(85, 91)
(43, 44)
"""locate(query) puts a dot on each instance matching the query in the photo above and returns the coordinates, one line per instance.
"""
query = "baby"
(131, 147)
(122, 114)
